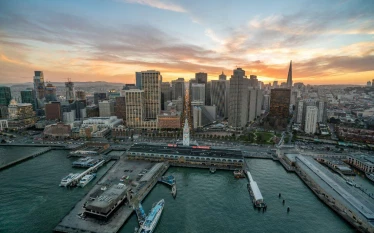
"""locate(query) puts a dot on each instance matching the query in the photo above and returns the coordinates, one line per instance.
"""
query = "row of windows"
(188, 157)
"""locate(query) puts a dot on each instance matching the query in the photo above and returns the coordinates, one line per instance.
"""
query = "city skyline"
(82, 41)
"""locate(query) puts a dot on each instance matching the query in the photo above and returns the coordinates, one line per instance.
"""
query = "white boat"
(67, 179)
(350, 182)
(86, 179)
(370, 176)
(151, 220)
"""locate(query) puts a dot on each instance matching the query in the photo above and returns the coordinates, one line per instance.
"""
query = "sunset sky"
(329, 41)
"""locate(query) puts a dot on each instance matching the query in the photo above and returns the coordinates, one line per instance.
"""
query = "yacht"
(67, 179)
(86, 179)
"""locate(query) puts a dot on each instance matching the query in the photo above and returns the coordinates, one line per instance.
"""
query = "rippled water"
(31, 200)
(219, 203)
(12, 153)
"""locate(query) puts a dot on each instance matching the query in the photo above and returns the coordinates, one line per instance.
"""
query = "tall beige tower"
(151, 85)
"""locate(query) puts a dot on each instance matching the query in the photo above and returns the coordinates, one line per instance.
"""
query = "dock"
(254, 191)
(25, 158)
(90, 170)
(170, 181)
(355, 207)
(137, 188)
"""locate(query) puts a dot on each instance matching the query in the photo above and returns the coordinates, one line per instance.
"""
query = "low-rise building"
(103, 122)
(169, 120)
(362, 162)
(59, 130)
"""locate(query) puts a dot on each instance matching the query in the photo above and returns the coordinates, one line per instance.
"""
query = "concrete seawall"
(25, 158)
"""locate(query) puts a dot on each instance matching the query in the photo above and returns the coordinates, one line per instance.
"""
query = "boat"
(85, 162)
(174, 190)
(212, 170)
(239, 174)
(150, 223)
(370, 176)
(350, 182)
(86, 179)
(67, 179)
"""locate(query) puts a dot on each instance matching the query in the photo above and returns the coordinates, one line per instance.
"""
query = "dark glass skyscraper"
(5, 95)
(28, 96)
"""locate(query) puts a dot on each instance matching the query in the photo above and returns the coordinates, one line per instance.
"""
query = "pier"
(254, 191)
(137, 188)
(76, 180)
(354, 207)
(25, 158)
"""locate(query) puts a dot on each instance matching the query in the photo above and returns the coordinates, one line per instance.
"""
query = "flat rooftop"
(174, 149)
(337, 188)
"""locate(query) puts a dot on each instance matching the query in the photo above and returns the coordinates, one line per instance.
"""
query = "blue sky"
(90, 40)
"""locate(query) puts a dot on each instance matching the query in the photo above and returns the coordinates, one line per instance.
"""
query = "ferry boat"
(85, 162)
(67, 179)
(151, 220)
(370, 176)
(239, 174)
(86, 179)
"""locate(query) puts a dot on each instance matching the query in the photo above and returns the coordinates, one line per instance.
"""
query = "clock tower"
(186, 134)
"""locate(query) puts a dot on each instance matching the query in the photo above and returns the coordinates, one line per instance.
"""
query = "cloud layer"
(324, 45)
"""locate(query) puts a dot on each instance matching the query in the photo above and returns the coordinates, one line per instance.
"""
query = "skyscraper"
(80, 95)
(28, 96)
(151, 84)
(165, 93)
(201, 77)
(222, 76)
(5, 96)
(198, 92)
(289, 76)
(70, 93)
(311, 119)
(253, 81)
(134, 107)
(106, 108)
(39, 85)
(177, 88)
(255, 97)
(280, 102)
(50, 93)
(219, 95)
(238, 101)
(99, 97)
(138, 80)
(120, 108)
